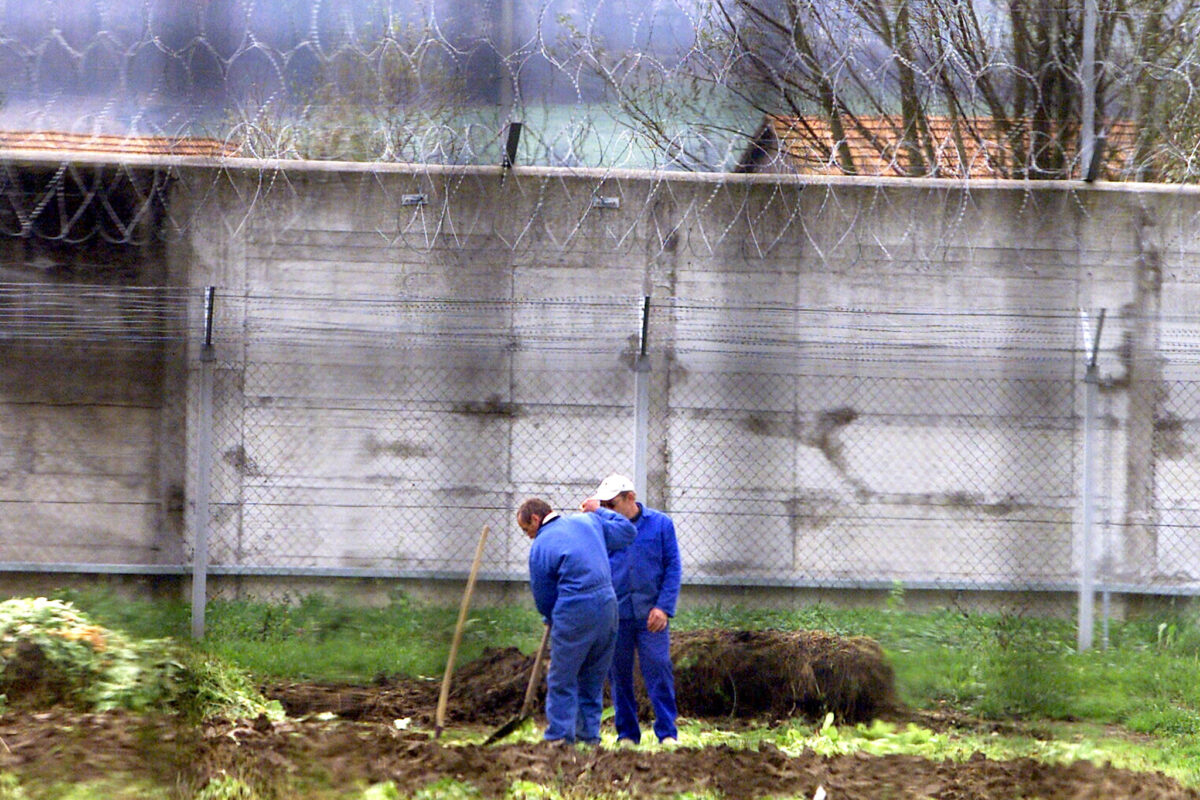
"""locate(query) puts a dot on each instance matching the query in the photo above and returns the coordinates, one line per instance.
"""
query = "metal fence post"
(1088, 146)
(641, 414)
(1087, 577)
(203, 458)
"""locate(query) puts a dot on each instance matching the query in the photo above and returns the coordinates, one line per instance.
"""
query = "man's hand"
(657, 621)
(591, 504)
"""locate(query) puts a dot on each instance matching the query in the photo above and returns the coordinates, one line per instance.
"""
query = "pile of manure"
(780, 674)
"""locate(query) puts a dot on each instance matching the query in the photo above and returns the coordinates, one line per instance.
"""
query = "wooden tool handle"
(444, 695)
(531, 689)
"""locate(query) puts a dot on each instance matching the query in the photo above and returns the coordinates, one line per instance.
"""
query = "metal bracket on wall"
(510, 145)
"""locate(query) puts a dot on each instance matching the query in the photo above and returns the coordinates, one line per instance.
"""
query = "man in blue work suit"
(647, 577)
(571, 580)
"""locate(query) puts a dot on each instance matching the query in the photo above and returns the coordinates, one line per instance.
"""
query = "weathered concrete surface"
(850, 381)
(89, 470)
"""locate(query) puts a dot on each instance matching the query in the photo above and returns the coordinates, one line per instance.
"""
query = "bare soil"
(346, 736)
(281, 759)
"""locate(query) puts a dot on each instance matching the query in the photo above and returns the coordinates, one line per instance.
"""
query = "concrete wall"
(851, 382)
(90, 448)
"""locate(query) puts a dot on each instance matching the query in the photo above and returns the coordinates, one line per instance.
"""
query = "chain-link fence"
(92, 428)
(367, 407)
(797, 447)
(384, 454)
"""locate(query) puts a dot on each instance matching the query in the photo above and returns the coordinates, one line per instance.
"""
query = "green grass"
(1007, 666)
(114, 788)
(140, 619)
(1135, 702)
(992, 665)
(321, 639)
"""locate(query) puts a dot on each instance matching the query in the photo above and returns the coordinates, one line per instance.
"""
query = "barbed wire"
(854, 87)
(99, 315)
(669, 112)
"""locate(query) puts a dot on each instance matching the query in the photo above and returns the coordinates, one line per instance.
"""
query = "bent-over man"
(571, 581)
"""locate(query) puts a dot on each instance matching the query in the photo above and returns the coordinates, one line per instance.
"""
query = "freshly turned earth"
(345, 736)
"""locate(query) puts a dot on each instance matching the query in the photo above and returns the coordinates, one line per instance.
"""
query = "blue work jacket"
(647, 574)
(568, 561)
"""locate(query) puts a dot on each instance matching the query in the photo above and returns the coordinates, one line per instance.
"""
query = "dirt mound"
(780, 674)
(386, 701)
(718, 673)
(485, 691)
(494, 685)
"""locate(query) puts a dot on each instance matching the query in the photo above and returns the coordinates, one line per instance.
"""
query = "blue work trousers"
(582, 638)
(654, 656)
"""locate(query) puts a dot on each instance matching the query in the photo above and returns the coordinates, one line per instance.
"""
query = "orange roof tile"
(54, 141)
(974, 148)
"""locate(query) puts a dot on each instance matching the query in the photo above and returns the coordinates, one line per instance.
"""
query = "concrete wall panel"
(862, 367)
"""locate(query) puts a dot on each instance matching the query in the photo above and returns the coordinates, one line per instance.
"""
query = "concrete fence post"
(1087, 576)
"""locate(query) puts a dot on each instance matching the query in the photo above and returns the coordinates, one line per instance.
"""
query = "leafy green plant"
(226, 787)
(52, 650)
(877, 738)
(447, 789)
(10, 787)
(527, 790)
(55, 653)
(381, 791)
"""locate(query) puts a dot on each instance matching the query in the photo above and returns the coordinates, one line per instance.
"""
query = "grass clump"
(209, 687)
(996, 665)
(160, 618)
(316, 637)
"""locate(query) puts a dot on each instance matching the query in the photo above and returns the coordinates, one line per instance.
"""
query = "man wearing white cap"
(646, 576)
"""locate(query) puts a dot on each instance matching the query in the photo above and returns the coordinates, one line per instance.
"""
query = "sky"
(165, 66)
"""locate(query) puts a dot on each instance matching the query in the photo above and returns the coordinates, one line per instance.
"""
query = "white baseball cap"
(612, 486)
